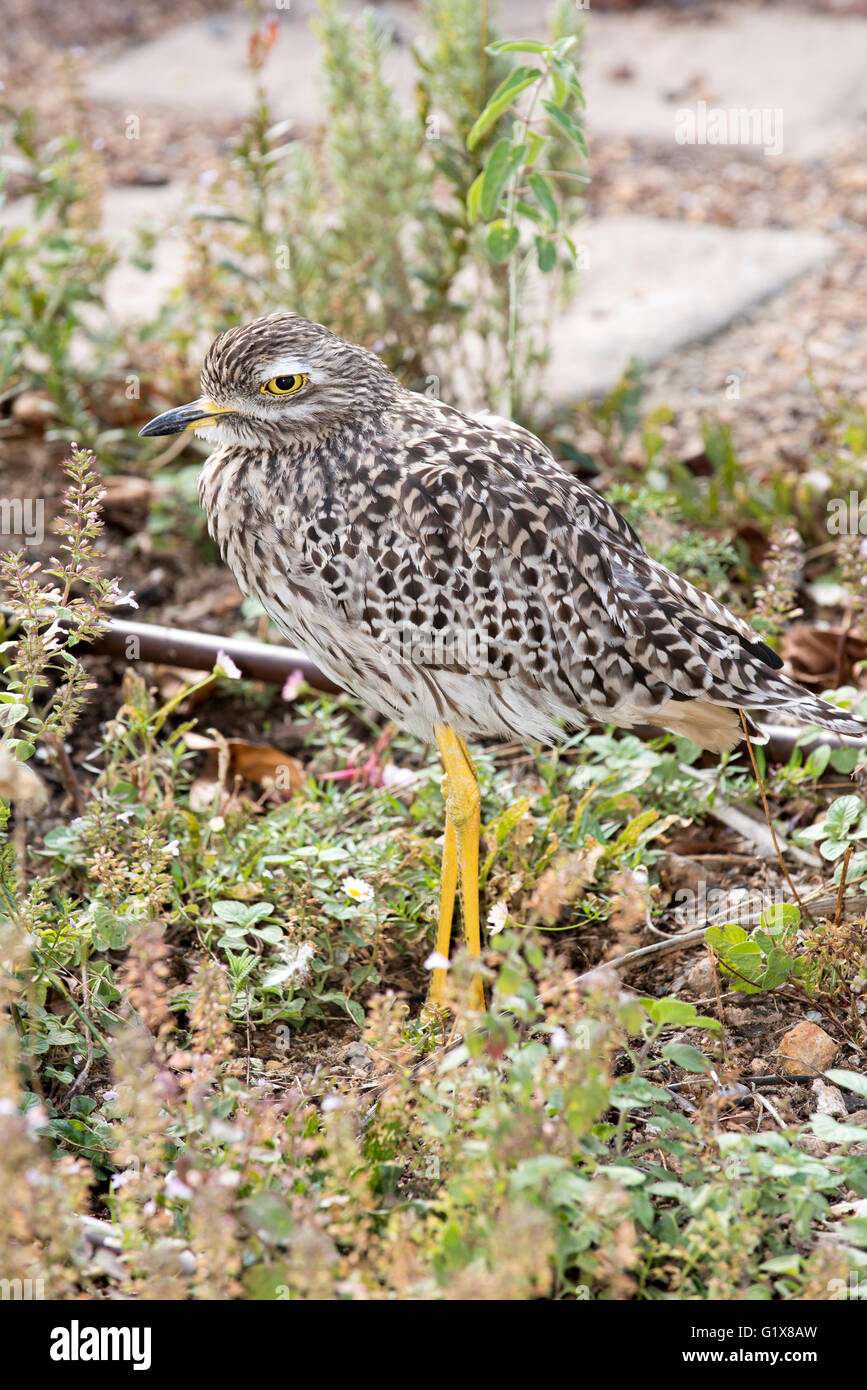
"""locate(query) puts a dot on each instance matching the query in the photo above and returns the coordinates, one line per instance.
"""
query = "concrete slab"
(650, 287)
(642, 69)
(639, 69)
(201, 67)
(133, 295)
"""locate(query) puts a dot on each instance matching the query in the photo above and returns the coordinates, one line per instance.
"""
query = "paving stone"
(639, 69)
(650, 287)
(642, 69)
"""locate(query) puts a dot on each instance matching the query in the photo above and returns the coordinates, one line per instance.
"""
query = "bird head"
(280, 377)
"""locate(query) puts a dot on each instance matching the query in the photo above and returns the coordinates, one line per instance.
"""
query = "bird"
(446, 570)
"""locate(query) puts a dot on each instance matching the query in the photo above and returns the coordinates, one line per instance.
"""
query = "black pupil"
(284, 383)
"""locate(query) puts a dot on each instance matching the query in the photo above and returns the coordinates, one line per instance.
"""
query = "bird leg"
(460, 859)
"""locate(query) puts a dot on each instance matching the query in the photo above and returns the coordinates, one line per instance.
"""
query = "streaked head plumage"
(280, 378)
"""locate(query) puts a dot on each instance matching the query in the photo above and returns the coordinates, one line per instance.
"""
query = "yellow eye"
(283, 385)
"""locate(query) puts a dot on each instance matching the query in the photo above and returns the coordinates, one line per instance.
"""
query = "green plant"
(516, 193)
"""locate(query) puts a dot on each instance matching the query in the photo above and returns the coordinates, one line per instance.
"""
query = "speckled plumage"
(445, 569)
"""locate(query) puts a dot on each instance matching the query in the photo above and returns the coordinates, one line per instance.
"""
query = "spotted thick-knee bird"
(443, 568)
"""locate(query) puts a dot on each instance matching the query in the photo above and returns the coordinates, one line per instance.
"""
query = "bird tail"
(718, 727)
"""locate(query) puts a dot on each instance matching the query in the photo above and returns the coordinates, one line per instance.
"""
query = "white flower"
(394, 776)
(216, 823)
(227, 666)
(358, 890)
(175, 1187)
(559, 1039)
(126, 600)
(436, 961)
(497, 918)
(173, 848)
(297, 960)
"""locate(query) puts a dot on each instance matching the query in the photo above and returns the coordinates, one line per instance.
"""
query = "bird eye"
(283, 385)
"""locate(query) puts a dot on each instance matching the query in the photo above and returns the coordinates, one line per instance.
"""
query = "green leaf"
(269, 1217)
(832, 848)
(523, 209)
(851, 1080)
(474, 194)
(566, 123)
(503, 160)
(501, 241)
(843, 759)
(545, 197)
(832, 1132)
(722, 938)
(669, 1011)
(781, 917)
(546, 254)
(12, 714)
(517, 46)
(842, 813)
(818, 760)
(516, 82)
(683, 1055)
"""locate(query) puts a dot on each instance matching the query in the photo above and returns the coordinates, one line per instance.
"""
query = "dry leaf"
(21, 785)
(254, 762)
(823, 657)
(171, 680)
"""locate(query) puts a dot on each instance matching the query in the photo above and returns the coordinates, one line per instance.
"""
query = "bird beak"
(198, 415)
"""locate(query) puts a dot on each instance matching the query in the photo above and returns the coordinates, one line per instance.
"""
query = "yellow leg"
(460, 856)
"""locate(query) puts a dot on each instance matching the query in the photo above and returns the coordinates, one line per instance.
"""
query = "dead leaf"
(21, 785)
(821, 657)
(232, 759)
(171, 680)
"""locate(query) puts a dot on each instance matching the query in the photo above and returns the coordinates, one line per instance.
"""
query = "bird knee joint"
(462, 804)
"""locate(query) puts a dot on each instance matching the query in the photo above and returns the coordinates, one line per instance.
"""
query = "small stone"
(806, 1047)
(700, 978)
(829, 1101)
(33, 408)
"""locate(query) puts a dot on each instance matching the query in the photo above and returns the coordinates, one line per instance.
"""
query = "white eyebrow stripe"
(285, 366)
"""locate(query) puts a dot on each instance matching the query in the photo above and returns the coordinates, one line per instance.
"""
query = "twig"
(771, 1109)
(767, 809)
(688, 938)
(66, 770)
(842, 887)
